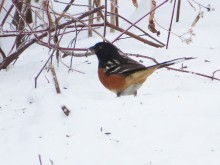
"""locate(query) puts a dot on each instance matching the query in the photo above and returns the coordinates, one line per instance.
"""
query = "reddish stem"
(1, 5)
(139, 20)
(7, 14)
(171, 22)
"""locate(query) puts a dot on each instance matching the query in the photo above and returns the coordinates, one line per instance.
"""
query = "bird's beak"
(92, 49)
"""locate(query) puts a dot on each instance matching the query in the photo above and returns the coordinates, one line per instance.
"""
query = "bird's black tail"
(172, 62)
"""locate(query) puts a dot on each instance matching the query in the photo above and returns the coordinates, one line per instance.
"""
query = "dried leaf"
(135, 3)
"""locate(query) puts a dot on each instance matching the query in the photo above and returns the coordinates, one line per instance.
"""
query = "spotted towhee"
(121, 74)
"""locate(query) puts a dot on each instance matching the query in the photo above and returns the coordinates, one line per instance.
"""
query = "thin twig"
(18, 52)
(68, 6)
(2, 53)
(7, 14)
(171, 21)
(72, 68)
(183, 39)
(191, 5)
(90, 19)
(178, 11)
(35, 79)
(213, 74)
(74, 45)
(137, 27)
(51, 162)
(1, 5)
(170, 68)
(200, 5)
(134, 36)
(139, 20)
(39, 157)
(105, 19)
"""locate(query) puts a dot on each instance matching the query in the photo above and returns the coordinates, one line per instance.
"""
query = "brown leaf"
(135, 3)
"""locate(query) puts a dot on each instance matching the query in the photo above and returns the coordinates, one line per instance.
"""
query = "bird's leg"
(135, 93)
(118, 94)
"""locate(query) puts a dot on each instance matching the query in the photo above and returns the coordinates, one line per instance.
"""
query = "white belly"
(131, 90)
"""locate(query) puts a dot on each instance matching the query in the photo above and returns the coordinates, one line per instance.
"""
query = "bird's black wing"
(124, 65)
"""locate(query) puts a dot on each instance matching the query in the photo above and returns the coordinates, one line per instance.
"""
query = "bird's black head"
(105, 51)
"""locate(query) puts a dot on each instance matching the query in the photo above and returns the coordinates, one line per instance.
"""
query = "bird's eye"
(99, 47)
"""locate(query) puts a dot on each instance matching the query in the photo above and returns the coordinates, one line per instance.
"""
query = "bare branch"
(139, 20)
(2, 53)
(170, 68)
(35, 79)
(18, 52)
(171, 21)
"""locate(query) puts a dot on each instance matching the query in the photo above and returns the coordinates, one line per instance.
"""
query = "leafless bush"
(32, 24)
(28, 23)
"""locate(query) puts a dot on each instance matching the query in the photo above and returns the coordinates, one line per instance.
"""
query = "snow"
(174, 119)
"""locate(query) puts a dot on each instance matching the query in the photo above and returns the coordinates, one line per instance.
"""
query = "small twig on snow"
(66, 111)
(39, 157)
(51, 161)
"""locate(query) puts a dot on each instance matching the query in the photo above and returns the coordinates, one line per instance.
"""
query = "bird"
(121, 74)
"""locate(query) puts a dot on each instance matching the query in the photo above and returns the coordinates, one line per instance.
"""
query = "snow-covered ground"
(174, 119)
